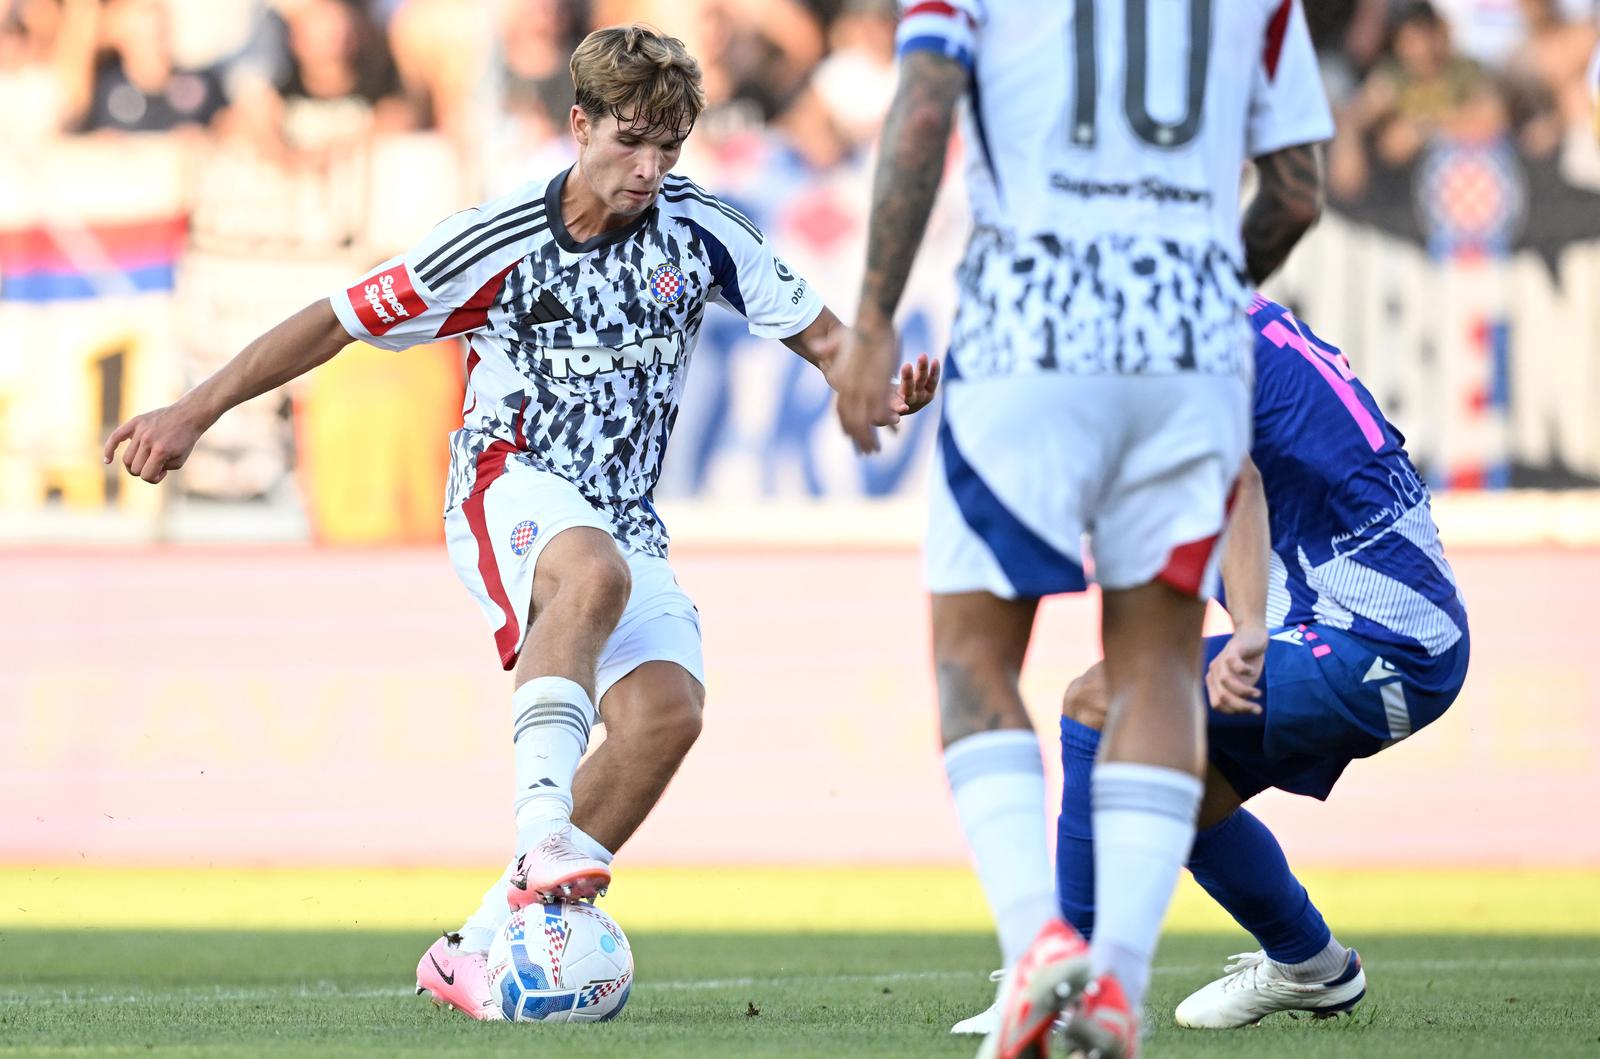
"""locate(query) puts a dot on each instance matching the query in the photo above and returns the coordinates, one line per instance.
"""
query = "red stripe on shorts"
(1186, 566)
(491, 465)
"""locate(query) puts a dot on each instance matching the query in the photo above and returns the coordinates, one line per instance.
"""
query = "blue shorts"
(1328, 697)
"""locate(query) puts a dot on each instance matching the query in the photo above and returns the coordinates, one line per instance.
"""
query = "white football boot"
(984, 1022)
(1253, 987)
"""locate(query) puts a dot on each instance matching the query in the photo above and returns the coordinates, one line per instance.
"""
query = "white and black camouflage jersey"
(577, 352)
(1105, 141)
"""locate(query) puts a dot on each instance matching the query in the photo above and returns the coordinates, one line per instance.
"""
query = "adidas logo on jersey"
(657, 350)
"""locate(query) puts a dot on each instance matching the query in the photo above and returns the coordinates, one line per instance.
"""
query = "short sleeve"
(1288, 105)
(944, 27)
(748, 276)
(441, 287)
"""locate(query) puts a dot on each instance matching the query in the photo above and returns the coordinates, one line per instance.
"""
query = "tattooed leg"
(979, 642)
(1287, 203)
(993, 761)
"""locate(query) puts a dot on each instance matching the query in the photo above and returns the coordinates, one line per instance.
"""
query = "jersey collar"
(558, 227)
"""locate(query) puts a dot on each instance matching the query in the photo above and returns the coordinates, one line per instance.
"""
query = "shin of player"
(580, 587)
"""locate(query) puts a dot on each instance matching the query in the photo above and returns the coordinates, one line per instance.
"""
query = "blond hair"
(647, 81)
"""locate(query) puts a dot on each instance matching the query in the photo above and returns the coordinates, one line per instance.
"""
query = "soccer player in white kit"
(1097, 384)
(581, 297)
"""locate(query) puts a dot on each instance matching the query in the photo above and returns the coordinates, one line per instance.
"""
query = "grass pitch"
(1526, 982)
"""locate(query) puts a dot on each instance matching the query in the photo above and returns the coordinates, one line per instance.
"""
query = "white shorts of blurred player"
(1028, 465)
(495, 539)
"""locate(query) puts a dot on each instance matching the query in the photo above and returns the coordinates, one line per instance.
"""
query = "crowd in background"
(1402, 73)
(321, 136)
(290, 78)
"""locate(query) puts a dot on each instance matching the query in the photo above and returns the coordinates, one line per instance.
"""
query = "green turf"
(201, 993)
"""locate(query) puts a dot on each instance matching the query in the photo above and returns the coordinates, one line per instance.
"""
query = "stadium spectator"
(536, 39)
(440, 48)
(1545, 77)
(341, 82)
(1422, 88)
(759, 56)
(1348, 36)
(855, 82)
(118, 71)
(30, 94)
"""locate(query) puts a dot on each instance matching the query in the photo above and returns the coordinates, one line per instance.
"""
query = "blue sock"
(1075, 827)
(1242, 867)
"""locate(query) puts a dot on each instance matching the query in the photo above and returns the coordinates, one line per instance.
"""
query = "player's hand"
(1232, 678)
(866, 359)
(158, 441)
(915, 386)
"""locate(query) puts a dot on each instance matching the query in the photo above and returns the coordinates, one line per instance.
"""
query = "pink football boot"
(458, 979)
(556, 870)
(1104, 1027)
(1046, 982)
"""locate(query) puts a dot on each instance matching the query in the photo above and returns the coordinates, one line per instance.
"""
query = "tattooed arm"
(911, 159)
(1288, 201)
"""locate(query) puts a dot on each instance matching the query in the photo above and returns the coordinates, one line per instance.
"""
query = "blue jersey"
(1354, 545)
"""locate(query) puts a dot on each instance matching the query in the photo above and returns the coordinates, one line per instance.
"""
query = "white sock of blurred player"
(997, 779)
(1144, 823)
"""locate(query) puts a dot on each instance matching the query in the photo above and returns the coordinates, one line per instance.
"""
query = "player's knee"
(680, 726)
(1085, 700)
(668, 730)
(601, 589)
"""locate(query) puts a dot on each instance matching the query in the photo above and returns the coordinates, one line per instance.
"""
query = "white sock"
(1322, 967)
(997, 779)
(493, 911)
(551, 717)
(1144, 819)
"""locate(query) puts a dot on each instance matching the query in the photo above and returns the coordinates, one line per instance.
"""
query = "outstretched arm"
(1233, 675)
(161, 440)
(911, 160)
(910, 391)
(1288, 201)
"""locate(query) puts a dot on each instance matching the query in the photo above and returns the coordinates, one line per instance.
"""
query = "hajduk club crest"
(666, 283)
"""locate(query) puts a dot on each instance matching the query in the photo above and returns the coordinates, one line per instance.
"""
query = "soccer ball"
(560, 963)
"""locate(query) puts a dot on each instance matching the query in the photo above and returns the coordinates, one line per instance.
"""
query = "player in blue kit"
(1350, 635)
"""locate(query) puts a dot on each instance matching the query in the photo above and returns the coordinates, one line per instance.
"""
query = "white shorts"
(495, 538)
(1028, 465)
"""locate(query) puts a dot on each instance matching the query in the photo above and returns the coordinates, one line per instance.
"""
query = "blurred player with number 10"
(1098, 383)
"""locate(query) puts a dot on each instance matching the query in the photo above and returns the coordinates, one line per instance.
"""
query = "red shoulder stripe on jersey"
(1277, 29)
(938, 7)
(475, 313)
(491, 465)
(472, 362)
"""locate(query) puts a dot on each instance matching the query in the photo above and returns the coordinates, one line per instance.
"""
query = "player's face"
(623, 163)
